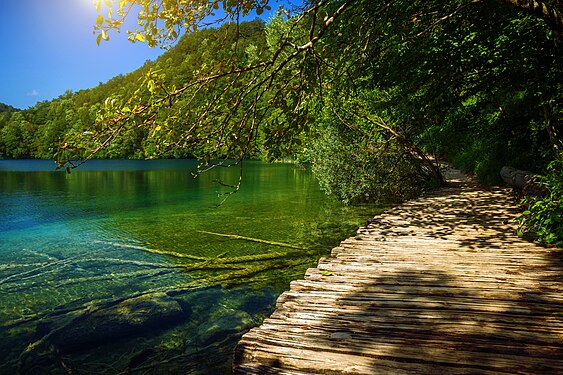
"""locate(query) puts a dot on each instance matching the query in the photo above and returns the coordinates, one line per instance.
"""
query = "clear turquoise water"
(108, 230)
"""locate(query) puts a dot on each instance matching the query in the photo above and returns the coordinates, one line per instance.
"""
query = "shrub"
(362, 166)
(542, 218)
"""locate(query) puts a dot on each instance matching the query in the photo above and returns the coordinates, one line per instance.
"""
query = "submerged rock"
(128, 318)
(233, 323)
(259, 303)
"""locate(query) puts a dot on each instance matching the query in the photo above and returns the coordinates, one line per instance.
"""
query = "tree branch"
(552, 14)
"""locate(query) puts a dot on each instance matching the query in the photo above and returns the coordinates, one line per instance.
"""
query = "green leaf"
(326, 273)
(151, 86)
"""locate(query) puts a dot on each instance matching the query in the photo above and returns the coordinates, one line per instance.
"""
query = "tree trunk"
(550, 124)
(552, 14)
(551, 130)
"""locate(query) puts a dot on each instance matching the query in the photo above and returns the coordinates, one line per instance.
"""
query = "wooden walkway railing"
(438, 285)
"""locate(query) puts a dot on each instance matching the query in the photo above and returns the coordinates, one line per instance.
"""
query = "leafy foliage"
(359, 154)
(543, 217)
(162, 21)
(472, 87)
(352, 170)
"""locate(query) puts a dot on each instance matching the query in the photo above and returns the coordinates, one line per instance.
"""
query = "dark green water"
(74, 250)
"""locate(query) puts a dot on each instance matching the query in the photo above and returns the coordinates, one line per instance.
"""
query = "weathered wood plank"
(312, 362)
(443, 351)
(478, 292)
(533, 334)
(439, 284)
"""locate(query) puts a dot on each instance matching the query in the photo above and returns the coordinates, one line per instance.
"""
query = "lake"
(138, 267)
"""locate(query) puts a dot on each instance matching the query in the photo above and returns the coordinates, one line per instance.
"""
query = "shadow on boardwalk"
(439, 285)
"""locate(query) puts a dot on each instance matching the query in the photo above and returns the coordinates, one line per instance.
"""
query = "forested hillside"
(38, 132)
(7, 108)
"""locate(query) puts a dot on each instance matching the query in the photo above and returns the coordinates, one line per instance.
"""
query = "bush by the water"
(357, 156)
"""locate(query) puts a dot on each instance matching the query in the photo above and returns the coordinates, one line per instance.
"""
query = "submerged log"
(259, 240)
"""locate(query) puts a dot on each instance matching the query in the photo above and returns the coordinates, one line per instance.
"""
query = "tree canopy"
(164, 19)
(391, 82)
(430, 59)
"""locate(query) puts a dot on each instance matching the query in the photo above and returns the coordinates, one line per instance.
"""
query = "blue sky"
(48, 47)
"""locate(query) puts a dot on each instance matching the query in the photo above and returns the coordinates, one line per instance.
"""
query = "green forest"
(369, 93)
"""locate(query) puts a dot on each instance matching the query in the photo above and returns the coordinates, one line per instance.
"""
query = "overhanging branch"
(552, 14)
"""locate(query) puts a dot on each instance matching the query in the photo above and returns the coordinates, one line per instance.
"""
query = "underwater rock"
(128, 318)
(258, 303)
(219, 329)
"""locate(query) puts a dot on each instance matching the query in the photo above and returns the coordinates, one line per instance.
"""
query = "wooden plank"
(531, 332)
(444, 350)
(312, 362)
(478, 291)
(338, 360)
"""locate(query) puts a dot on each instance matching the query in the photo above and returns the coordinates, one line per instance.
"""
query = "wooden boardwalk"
(438, 285)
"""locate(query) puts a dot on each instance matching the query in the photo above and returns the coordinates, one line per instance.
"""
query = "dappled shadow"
(475, 217)
(440, 284)
(416, 321)
(433, 326)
